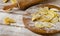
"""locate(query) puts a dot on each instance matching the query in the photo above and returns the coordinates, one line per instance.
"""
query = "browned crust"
(24, 4)
(37, 30)
(9, 6)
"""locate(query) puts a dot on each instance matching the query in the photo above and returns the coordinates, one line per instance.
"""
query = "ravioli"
(46, 17)
(35, 16)
(43, 24)
(55, 20)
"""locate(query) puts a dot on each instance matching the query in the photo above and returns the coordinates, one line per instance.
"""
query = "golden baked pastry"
(45, 21)
(22, 4)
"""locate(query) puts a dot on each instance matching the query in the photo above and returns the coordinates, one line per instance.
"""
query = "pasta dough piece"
(47, 17)
(13, 1)
(5, 1)
(8, 20)
(43, 11)
(43, 24)
(53, 9)
(55, 20)
(47, 24)
(39, 25)
(35, 17)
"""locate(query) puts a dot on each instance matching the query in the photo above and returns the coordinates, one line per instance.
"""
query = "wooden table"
(20, 31)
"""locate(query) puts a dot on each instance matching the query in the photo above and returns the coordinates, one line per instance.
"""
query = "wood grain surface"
(21, 31)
